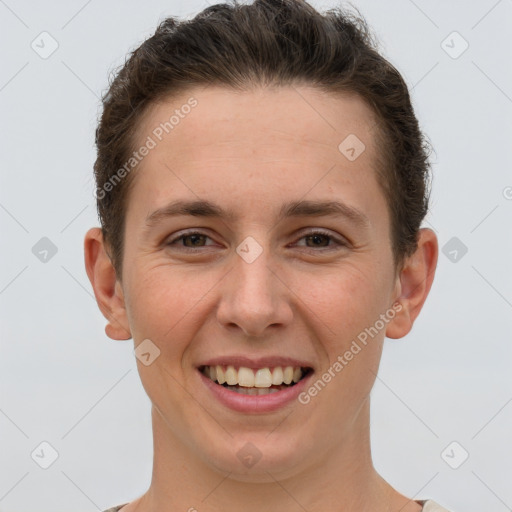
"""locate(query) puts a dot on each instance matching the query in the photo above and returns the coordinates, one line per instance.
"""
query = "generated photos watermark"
(343, 360)
(157, 135)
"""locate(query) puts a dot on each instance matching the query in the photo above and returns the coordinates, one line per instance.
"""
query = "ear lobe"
(107, 289)
(414, 283)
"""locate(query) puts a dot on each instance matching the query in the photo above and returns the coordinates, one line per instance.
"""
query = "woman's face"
(248, 282)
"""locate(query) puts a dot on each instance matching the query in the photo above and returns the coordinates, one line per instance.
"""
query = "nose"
(254, 298)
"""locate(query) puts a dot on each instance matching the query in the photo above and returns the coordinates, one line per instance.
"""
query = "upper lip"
(256, 362)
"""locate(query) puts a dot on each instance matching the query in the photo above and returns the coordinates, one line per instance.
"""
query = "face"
(246, 280)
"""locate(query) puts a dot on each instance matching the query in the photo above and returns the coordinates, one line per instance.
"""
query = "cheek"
(344, 301)
(162, 300)
(346, 305)
(164, 307)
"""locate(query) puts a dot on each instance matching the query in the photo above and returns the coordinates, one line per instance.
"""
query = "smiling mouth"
(261, 381)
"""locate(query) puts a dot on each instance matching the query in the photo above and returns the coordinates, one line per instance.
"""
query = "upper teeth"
(260, 378)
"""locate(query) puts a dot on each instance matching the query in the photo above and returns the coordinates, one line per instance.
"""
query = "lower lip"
(255, 403)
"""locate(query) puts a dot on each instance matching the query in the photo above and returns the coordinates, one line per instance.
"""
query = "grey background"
(63, 381)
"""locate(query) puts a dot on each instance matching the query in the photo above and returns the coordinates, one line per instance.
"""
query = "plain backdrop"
(444, 392)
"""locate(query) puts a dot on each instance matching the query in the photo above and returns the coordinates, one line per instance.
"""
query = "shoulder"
(428, 506)
(115, 509)
(432, 506)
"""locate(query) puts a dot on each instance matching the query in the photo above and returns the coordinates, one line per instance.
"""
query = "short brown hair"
(270, 42)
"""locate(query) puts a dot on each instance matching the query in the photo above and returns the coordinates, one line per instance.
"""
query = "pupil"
(194, 238)
(316, 237)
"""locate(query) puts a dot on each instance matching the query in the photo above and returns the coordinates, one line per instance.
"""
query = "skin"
(252, 152)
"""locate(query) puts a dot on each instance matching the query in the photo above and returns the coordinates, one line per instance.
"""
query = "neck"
(343, 479)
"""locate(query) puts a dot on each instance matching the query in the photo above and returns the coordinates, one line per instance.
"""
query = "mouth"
(255, 381)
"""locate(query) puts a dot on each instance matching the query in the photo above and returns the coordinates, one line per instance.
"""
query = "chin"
(256, 458)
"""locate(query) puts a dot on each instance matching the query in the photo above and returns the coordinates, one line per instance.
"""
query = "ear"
(107, 289)
(414, 283)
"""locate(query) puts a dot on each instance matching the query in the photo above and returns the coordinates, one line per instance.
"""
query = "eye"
(322, 239)
(196, 238)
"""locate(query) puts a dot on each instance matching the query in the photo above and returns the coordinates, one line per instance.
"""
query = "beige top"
(428, 506)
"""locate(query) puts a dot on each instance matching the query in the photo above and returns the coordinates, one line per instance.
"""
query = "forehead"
(213, 141)
(223, 117)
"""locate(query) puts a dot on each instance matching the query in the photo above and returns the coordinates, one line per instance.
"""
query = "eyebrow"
(203, 208)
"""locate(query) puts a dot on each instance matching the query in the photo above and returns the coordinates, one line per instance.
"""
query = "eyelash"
(328, 235)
